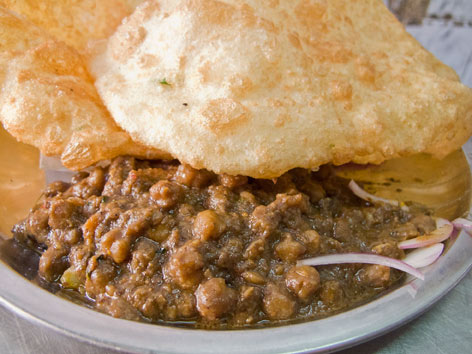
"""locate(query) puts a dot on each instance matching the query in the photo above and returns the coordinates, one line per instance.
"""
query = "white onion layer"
(464, 224)
(361, 193)
(443, 230)
(362, 258)
(424, 256)
(412, 289)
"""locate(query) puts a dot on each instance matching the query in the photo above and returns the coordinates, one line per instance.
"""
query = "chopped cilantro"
(164, 82)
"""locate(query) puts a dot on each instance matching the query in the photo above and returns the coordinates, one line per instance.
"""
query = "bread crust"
(260, 87)
(48, 100)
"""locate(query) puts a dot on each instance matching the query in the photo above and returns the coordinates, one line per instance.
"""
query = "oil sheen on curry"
(160, 242)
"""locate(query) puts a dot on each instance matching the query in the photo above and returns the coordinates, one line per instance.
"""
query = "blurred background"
(444, 27)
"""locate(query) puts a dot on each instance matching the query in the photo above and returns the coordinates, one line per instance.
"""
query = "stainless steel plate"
(448, 179)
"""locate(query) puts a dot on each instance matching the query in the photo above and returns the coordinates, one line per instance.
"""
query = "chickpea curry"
(161, 242)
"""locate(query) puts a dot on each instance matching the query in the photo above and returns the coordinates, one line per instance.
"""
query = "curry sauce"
(162, 242)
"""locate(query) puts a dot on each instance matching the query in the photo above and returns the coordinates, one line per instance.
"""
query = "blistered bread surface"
(258, 87)
(75, 22)
(48, 100)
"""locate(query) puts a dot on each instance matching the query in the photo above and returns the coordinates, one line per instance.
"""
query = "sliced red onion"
(361, 193)
(424, 256)
(362, 258)
(412, 289)
(464, 224)
(455, 233)
(443, 230)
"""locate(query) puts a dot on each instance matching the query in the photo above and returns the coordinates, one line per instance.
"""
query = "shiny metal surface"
(446, 328)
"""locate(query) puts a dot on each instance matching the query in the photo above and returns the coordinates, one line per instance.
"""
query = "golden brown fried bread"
(47, 99)
(259, 87)
(74, 21)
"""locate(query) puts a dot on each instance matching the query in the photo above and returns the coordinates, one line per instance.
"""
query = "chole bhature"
(220, 121)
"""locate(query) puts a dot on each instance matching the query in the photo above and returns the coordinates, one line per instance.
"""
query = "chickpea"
(208, 225)
(303, 281)
(165, 194)
(214, 298)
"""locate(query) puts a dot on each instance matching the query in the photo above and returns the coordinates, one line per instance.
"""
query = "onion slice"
(443, 230)
(425, 256)
(464, 224)
(412, 289)
(362, 258)
(361, 193)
